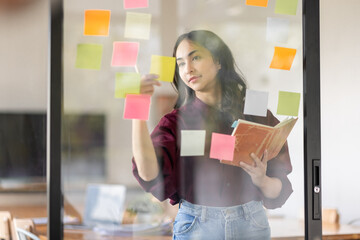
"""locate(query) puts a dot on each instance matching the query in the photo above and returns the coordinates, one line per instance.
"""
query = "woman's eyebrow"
(191, 53)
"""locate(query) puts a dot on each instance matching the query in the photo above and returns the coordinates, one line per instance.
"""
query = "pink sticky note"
(222, 146)
(128, 4)
(125, 54)
(137, 106)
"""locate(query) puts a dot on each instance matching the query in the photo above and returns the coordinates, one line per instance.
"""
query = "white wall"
(340, 113)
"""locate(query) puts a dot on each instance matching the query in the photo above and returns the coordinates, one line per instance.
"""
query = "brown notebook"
(253, 137)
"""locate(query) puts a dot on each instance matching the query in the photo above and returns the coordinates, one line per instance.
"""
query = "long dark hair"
(232, 83)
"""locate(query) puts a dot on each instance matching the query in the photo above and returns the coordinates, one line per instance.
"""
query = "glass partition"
(24, 29)
(109, 45)
(339, 97)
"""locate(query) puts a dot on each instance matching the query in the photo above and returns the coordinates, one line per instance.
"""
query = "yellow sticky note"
(96, 22)
(127, 83)
(137, 25)
(164, 67)
(286, 7)
(89, 56)
(258, 3)
(288, 103)
(283, 58)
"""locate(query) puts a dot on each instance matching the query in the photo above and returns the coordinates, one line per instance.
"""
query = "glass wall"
(340, 116)
(24, 30)
(108, 42)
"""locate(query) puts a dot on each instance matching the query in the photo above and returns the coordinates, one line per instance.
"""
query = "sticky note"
(137, 25)
(235, 123)
(256, 103)
(222, 146)
(277, 30)
(128, 4)
(258, 3)
(286, 7)
(97, 22)
(127, 83)
(125, 54)
(137, 107)
(164, 67)
(288, 103)
(192, 142)
(89, 56)
(283, 58)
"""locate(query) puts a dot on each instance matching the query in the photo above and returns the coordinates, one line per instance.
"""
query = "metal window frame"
(311, 98)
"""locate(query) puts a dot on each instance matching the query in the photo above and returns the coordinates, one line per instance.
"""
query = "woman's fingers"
(148, 82)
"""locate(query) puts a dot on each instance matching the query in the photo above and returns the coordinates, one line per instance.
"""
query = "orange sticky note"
(258, 3)
(97, 22)
(283, 58)
(137, 106)
(125, 54)
(222, 146)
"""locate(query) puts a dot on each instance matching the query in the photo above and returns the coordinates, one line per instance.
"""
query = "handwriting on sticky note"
(258, 3)
(288, 103)
(89, 56)
(277, 30)
(286, 7)
(192, 142)
(283, 58)
(137, 106)
(129, 4)
(164, 67)
(137, 25)
(256, 103)
(222, 146)
(127, 83)
(96, 22)
(125, 53)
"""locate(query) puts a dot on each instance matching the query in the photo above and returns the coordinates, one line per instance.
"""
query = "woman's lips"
(192, 79)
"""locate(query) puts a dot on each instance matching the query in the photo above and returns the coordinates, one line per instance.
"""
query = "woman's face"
(197, 67)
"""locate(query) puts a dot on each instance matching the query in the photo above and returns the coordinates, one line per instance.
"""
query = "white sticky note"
(256, 103)
(192, 142)
(277, 30)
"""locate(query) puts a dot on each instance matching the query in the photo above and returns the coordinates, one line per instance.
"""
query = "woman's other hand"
(257, 171)
(270, 186)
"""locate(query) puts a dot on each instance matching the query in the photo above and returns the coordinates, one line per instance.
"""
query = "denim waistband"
(203, 212)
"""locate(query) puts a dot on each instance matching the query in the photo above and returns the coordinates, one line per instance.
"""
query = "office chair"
(25, 235)
(24, 229)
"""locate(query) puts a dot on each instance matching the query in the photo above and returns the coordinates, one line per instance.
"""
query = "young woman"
(216, 201)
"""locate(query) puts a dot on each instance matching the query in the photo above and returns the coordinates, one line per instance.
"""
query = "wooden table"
(293, 229)
(281, 228)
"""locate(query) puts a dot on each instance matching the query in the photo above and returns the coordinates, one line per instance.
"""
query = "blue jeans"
(243, 222)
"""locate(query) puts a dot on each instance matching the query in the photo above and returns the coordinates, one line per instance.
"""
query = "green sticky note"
(89, 56)
(286, 7)
(127, 83)
(288, 103)
(164, 67)
(137, 25)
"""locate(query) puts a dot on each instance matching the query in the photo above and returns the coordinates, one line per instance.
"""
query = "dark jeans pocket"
(183, 223)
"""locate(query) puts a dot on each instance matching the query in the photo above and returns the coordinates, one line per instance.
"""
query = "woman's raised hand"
(147, 83)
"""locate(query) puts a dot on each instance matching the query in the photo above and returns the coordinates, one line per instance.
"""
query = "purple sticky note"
(125, 54)
(137, 106)
(128, 4)
(222, 146)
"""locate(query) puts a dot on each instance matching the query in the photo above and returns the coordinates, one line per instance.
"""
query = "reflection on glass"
(180, 161)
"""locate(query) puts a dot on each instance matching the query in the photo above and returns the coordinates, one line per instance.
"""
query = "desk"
(281, 228)
(293, 229)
